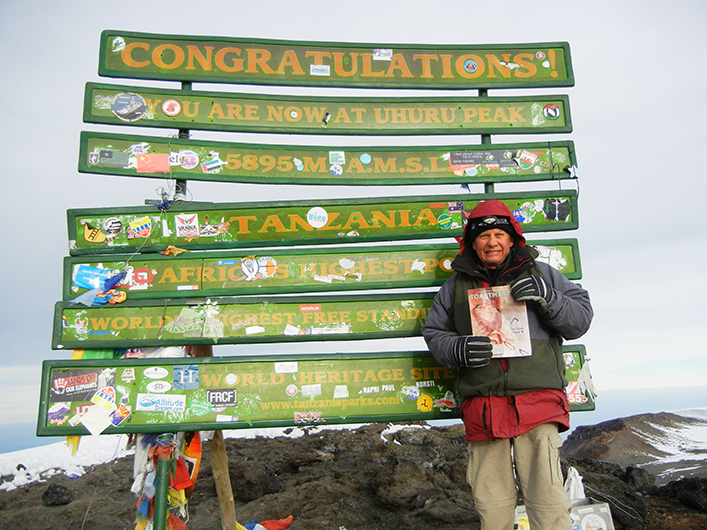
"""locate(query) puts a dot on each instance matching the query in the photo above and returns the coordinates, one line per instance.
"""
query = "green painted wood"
(117, 154)
(364, 65)
(213, 393)
(209, 226)
(239, 320)
(282, 271)
(366, 116)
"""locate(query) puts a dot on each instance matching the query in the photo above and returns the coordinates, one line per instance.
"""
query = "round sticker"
(158, 387)
(336, 170)
(444, 221)
(540, 56)
(231, 379)
(446, 264)
(424, 403)
(293, 114)
(112, 225)
(291, 390)
(470, 66)
(155, 372)
(267, 267)
(128, 106)
(594, 522)
(188, 159)
(551, 111)
(317, 217)
(365, 158)
(171, 108)
(412, 392)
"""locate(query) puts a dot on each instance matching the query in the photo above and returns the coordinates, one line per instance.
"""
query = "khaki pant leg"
(490, 475)
(537, 461)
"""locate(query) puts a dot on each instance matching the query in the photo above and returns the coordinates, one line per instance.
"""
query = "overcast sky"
(638, 112)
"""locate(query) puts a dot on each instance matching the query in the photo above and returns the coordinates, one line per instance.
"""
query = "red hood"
(492, 207)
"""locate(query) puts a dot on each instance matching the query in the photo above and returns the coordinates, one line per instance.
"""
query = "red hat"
(487, 215)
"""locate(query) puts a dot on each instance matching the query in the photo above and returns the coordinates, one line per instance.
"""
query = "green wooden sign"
(278, 271)
(141, 395)
(239, 320)
(279, 62)
(269, 113)
(337, 221)
(117, 154)
(194, 394)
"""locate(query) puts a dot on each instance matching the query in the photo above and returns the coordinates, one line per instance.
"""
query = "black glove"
(472, 351)
(533, 288)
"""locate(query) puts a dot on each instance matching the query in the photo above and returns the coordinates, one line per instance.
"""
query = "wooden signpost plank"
(207, 393)
(119, 154)
(367, 116)
(230, 60)
(240, 320)
(280, 271)
(210, 226)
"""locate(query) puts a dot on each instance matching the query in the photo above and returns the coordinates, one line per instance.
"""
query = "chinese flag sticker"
(153, 163)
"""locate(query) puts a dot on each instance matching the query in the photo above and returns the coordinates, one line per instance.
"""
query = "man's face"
(492, 247)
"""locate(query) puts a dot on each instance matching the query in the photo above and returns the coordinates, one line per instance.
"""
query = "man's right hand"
(472, 351)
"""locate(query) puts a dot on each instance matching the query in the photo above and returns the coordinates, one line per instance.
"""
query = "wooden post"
(219, 466)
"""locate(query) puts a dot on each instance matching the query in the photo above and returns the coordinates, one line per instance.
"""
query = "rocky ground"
(356, 479)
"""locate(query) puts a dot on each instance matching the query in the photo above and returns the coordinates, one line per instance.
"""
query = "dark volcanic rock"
(57, 495)
(362, 479)
(690, 491)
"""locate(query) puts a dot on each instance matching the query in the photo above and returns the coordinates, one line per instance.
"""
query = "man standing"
(513, 409)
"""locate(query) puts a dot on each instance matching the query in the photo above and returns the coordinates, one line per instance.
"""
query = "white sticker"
(382, 54)
(254, 330)
(155, 372)
(187, 225)
(337, 157)
(319, 69)
(291, 330)
(341, 392)
(161, 402)
(311, 390)
(317, 217)
(158, 387)
(286, 367)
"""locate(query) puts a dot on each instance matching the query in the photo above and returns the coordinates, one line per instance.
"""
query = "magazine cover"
(495, 314)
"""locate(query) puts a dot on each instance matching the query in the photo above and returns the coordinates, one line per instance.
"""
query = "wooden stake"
(219, 466)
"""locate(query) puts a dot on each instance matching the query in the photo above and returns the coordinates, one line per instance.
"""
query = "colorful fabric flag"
(153, 163)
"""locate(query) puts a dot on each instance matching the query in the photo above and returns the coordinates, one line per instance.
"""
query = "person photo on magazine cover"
(513, 408)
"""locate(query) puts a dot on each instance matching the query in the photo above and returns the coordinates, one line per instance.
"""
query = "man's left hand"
(533, 288)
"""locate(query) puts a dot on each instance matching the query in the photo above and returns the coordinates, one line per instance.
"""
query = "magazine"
(495, 314)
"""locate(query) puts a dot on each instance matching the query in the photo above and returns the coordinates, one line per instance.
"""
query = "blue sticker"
(470, 66)
(186, 377)
(365, 158)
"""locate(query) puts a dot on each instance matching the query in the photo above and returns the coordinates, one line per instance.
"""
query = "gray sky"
(637, 110)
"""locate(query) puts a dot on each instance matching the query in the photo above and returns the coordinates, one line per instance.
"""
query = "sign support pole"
(219, 465)
(161, 492)
(180, 188)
